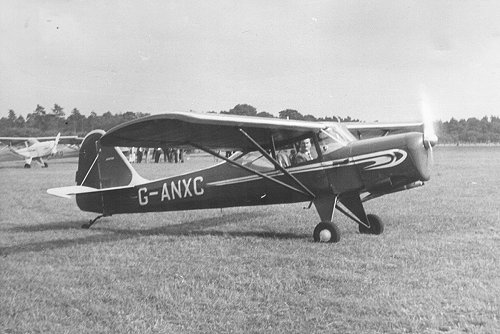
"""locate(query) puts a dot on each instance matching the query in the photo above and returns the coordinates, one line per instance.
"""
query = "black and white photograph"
(314, 166)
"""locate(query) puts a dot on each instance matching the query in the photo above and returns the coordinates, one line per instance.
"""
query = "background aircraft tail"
(56, 142)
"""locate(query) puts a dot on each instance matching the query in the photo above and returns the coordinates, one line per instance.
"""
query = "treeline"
(469, 131)
(42, 122)
(48, 123)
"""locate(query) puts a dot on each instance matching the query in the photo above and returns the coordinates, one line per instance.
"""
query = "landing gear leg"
(91, 222)
(326, 231)
(367, 224)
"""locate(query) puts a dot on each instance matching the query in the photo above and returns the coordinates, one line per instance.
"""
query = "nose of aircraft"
(421, 153)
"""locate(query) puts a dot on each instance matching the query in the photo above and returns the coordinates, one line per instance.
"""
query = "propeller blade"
(430, 137)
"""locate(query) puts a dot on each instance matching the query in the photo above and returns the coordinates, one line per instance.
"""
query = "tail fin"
(56, 142)
(101, 167)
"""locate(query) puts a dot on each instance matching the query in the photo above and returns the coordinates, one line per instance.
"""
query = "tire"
(326, 232)
(376, 225)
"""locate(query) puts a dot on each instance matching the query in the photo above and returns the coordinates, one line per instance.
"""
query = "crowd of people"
(153, 155)
(176, 155)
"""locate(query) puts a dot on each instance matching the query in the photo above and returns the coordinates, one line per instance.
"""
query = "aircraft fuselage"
(374, 165)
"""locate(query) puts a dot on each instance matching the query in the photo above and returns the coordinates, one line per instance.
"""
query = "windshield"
(338, 134)
(302, 152)
(333, 138)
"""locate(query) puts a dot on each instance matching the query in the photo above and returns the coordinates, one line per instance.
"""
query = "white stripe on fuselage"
(378, 159)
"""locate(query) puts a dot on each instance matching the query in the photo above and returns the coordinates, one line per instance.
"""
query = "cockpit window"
(255, 160)
(333, 138)
(302, 152)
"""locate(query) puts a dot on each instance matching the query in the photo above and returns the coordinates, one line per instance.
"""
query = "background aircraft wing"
(370, 130)
(14, 140)
(62, 139)
(213, 131)
(70, 140)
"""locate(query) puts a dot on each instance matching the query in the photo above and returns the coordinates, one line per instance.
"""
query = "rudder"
(101, 167)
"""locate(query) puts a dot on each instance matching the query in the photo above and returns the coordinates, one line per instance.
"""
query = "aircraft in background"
(36, 148)
(337, 173)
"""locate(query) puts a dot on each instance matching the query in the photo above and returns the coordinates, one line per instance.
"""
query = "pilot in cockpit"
(304, 153)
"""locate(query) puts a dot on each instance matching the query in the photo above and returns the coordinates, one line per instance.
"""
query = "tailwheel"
(376, 225)
(326, 232)
(91, 222)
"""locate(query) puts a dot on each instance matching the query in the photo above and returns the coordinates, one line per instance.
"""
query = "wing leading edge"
(370, 130)
(211, 131)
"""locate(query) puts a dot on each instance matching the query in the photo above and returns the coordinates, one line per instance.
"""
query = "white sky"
(371, 60)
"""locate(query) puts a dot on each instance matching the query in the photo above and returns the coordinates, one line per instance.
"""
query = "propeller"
(430, 138)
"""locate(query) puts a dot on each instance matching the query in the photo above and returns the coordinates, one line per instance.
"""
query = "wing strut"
(277, 165)
(215, 154)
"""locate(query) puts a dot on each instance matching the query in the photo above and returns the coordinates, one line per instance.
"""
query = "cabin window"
(255, 160)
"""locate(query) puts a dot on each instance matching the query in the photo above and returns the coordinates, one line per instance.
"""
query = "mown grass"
(252, 270)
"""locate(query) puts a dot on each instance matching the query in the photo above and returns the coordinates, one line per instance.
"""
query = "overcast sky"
(372, 60)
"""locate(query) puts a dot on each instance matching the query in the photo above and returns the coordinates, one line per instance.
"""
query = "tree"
(37, 119)
(242, 109)
(20, 122)
(12, 116)
(291, 114)
(92, 120)
(76, 120)
(129, 115)
(58, 111)
(265, 114)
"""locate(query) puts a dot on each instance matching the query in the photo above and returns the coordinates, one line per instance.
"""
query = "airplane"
(37, 148)
(344, 171)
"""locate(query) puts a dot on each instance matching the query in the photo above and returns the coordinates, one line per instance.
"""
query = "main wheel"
(376, 225)
(45, 165)
(27, 166)
(326, 232)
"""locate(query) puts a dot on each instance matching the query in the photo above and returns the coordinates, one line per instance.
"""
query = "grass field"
(435, 269)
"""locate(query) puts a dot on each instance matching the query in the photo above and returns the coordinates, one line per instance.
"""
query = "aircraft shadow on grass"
(191, 228)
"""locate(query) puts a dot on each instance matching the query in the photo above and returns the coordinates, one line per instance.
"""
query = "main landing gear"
(351, 207)
(376, 225)
(326, 232)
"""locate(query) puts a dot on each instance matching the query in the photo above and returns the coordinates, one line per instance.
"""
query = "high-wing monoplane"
(36, 148)
(277, 161)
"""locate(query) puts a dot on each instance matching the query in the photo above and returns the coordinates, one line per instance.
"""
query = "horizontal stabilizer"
(67, 192)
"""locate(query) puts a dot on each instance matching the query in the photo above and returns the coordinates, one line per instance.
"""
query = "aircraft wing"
(370, 130)
(213, 131)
